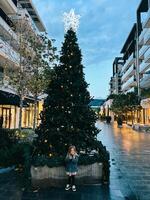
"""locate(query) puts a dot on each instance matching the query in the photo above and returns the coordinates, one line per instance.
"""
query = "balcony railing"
(128, 62)
(142, 51)
(144, 66)
(128, 73)
(141, 37)
(145, 81)
(6, 18)
(147, 56)
(129, 84)
(26, 18)
(147, 37)
(10, 6)
(146, 24)
(15, 2)
(8, 53)
(5, 26)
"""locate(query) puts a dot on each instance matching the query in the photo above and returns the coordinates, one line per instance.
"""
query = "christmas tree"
(67, 118)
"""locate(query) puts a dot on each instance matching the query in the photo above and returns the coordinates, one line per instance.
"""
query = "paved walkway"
(130, 172)
(12, 188)
(130, 155)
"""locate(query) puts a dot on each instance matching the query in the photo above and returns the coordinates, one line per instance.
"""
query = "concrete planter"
(45, 176)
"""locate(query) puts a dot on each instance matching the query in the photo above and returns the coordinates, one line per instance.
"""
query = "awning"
(145, 103)
(7, 98)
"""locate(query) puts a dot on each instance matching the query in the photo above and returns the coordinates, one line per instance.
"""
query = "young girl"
(71, 167)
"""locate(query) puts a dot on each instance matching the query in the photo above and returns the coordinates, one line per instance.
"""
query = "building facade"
(10, 12)
(128, 71)
(143, 58)
(135, 70)
(115, 82)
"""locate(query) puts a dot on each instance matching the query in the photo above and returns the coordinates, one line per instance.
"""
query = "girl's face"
(72, 151)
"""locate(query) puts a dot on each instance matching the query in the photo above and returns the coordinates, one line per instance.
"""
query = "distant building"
(115, 82)
(129, 80)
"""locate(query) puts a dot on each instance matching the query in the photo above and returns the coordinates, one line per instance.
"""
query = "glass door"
(6, 113)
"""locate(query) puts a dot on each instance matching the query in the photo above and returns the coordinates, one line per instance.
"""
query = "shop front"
(145, 103)
(9, 111)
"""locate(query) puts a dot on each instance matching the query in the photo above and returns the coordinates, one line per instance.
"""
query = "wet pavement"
(129, 179)
(130, 158)
(12, 188)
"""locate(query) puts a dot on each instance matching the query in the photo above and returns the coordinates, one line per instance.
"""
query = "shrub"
(17, 154)
(7, 138)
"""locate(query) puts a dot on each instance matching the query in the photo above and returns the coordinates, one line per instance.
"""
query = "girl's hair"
(72, 147)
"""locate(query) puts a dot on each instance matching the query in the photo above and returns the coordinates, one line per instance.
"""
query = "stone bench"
(56, 176)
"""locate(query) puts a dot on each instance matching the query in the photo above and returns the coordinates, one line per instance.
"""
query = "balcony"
(6, 18)
(131, 90)
(141, 37)
(145, 81)
(146, 24)
(24, 16)
(142, 52)
(6, 26)
(10, 6)
(147, 56)
(130, 72)
(129, 84)
(144, 67)
(15, 2)
(147, 37)
(128, 62)
(7, 53)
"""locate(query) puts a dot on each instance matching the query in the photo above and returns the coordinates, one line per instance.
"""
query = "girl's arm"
(68, 158)
(75, 159)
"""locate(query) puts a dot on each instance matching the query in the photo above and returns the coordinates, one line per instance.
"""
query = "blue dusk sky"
(104, 27)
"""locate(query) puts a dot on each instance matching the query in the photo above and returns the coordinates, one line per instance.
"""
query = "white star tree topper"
(71, 20)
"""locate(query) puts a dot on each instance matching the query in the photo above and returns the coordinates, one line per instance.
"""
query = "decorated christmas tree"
(67, 118)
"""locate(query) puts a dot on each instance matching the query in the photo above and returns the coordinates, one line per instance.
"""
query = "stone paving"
(129, 178)
(130, 155)
(12, 188)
